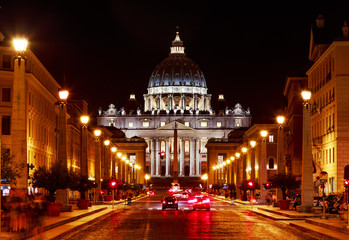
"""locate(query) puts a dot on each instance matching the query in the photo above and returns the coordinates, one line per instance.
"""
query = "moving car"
(184, 195)
(169, 202)
(150, 193)
(200, 202)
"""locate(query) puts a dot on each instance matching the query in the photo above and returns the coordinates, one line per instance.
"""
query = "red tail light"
(176, 202)
(206, 201)
(164, 202)
(192, 200)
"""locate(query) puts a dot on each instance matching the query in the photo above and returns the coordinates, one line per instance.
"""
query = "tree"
(56, 177)
(10, 170)
(284, 182)
(79, 183)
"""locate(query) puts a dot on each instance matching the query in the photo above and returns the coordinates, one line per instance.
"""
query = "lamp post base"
(303, 208)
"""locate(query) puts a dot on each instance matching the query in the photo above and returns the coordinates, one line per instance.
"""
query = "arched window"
(271, 163)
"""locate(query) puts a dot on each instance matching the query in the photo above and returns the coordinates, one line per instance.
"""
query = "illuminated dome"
(177, 70)
(177, 84)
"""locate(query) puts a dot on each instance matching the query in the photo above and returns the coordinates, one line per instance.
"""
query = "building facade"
(328, 79)
(177, 98)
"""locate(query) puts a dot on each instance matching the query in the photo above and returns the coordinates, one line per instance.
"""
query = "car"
(200, 202)
(150, 193)
(169, 202)
(177, 194)
(184, 195)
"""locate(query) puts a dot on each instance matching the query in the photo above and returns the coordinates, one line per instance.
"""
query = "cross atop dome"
(177, 44)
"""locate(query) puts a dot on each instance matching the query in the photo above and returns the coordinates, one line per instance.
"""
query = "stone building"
(178, 98)
(328, 79)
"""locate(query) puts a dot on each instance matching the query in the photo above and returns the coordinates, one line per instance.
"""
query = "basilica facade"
(177, 98)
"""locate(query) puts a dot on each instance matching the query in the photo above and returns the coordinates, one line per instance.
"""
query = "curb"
(73, 229)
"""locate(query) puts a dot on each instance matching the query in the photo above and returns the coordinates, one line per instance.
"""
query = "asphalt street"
(145, 219)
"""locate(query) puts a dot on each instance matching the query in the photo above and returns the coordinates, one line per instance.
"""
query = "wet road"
(145, 220)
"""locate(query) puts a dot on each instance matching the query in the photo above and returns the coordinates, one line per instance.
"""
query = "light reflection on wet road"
(146, 220)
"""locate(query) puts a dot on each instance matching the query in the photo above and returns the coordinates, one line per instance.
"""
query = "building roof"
(177, 69)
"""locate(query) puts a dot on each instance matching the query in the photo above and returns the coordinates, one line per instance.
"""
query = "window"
(271, 138)
(6, 61)
(162, 124)
(238, 122)
(145, 124)
(271, 163)
(6, 94)
(203, 124)
(219, 124)
(130, 124)
(6, 125)
(187, 124)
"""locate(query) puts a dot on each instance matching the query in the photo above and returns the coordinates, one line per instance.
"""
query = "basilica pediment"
(175, 125)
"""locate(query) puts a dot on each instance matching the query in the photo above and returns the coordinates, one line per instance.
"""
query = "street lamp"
(97, 133)
(19, 112)
(253, 145)
(205, 177)
(280, 152)
(84, 141)
(307, 161)
(262, 166)
(146, 177)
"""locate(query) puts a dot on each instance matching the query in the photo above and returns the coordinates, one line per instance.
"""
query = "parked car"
(200, 202)
(150, 193)
(169, 202)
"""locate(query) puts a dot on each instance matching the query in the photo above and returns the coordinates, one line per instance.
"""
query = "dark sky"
(106, 49)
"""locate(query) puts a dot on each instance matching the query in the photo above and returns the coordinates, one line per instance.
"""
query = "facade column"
(157, 151)
(152, 157)
(181, 159)
(192, 155)
(197, 157)
(168, 154)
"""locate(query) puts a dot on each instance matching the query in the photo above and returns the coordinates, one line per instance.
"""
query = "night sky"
(106, 49)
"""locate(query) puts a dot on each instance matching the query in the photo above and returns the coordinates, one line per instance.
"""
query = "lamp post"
(84, 140)
(307, 164)
(244, 151)
(205, 177)
(106, 161)
(97, 134)
(262, 167)
(146, 177)
(280, 152)
(253, 173)
(19, 111)
(113, 149)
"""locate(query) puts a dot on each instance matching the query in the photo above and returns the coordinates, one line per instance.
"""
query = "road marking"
(150, 208)
(213, 209)
(146, 231)
(159, 208)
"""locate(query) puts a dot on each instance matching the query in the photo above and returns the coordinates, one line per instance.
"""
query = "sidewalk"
(67, 222)
(333, 227)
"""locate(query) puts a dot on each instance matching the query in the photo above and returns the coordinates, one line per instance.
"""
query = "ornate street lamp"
(18, 133)
(307, 161)
(97, 133)
(84, 141)
(263, 166)
(253, 170)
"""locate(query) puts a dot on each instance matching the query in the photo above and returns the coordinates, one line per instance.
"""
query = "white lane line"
(159, 208)
(150, 208)
(146, 233)
(213, 209)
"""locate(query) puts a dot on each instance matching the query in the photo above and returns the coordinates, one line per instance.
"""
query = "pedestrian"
(268, 200)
